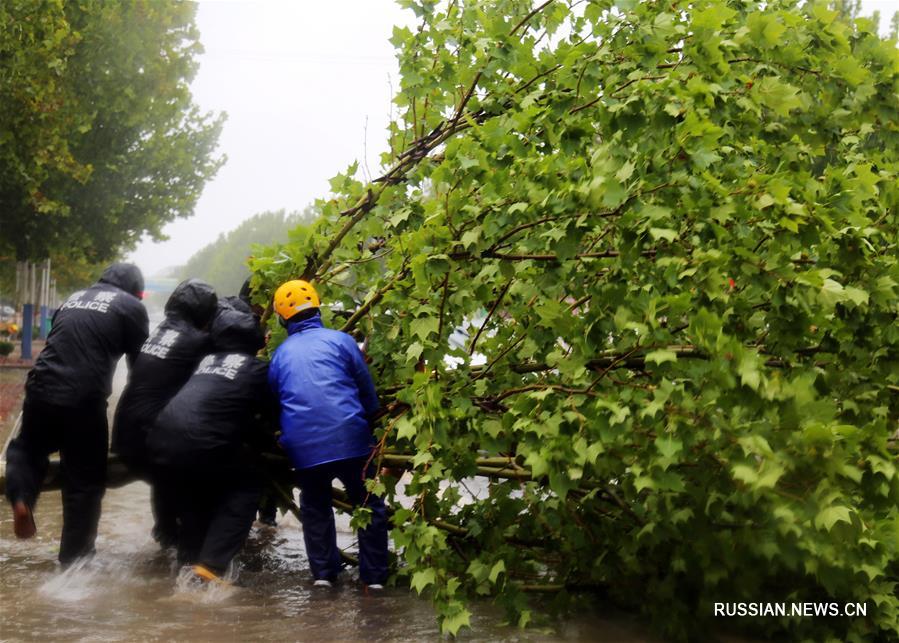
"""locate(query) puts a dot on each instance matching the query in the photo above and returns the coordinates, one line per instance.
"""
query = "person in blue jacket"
(328, 402)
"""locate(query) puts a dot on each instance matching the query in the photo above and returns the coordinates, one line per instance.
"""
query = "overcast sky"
(301, 81)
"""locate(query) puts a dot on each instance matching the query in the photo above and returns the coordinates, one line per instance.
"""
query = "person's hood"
(245, 293)
(305, 322)
(126, 276)
(235, 330)
(193, 300)
(232, 302)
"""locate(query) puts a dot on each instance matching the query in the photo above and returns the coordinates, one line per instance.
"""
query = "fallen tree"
(645, 254)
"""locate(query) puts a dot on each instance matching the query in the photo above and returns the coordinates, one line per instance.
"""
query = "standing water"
(132, 591)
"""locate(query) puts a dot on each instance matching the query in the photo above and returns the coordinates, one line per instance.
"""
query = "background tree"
(223, 263)
(678, 222)
(101, 140)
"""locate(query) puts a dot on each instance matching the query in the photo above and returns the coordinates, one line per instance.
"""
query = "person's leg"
(83, 450)
(194, 512)
(268, 508)
(231, 520)
(163, 494)
(27, 461)
(373, 558)
(319, 533)
(164, 503)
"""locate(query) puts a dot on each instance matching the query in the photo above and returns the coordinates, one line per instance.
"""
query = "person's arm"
(266, 413)
(137, 329)
(272, 376)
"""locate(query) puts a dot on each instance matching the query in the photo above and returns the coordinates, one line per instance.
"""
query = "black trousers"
(163, 498)
(215, 510)
(80, 434)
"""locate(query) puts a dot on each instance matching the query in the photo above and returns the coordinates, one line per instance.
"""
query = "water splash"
(189, 588)
(86, 578)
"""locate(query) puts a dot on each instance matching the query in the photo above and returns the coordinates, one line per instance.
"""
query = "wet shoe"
(323, 582)
(207, 575)
(375, 587)
(23, 520)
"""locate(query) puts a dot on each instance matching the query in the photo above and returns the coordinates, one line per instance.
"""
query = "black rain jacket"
(213, 418)
(165, 363)
(90, 332)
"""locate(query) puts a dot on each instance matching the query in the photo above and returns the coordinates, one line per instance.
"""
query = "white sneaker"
(322, 582)
(376, 586)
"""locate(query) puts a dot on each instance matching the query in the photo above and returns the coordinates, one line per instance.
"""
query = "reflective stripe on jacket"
(91, 331)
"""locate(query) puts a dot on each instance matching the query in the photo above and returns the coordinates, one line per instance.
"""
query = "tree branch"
(493, 308)
(527, 18)
(364, 308)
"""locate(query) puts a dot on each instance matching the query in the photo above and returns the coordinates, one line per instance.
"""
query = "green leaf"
(661, 356)
(498, 568)
(414, 351)
(745, 473)
(471, 237)
(625, 172)
(453, 623)
(422, 578)
(827, 518)
(422, 327)
(466, 162)
(537, 463)
(405, 429)
(749, 371)
(714, 17)
(764, 201)
(669, 446)
(770, 474)
(776, 94)
(663, 233)
(765, 29)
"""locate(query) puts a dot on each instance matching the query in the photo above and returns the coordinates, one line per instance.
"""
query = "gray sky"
(299, 80)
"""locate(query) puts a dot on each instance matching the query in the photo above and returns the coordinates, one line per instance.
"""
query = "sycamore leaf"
(405, 429)
(661, 356)
(422, 578)
(780, 96)
(498, 568)
(452, 624)
(421, 327)
(663, 233)
(625, 172)
(827, 518)
(470, 237)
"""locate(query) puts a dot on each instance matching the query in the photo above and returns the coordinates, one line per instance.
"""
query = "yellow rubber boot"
(208, 575)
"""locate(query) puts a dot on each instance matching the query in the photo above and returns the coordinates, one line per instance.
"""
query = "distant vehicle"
(7, 311)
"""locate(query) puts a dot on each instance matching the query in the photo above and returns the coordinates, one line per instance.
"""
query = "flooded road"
(132, 591)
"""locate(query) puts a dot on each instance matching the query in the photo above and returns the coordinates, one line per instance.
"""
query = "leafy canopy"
(99, 139)
(636, 263)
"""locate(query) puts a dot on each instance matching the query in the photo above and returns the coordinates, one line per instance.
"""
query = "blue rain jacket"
(326, 392)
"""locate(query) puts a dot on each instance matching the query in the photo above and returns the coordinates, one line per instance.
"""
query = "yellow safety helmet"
(294, 297)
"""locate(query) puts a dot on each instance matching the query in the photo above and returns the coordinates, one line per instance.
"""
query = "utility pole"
(28, 309)
(44, 300)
